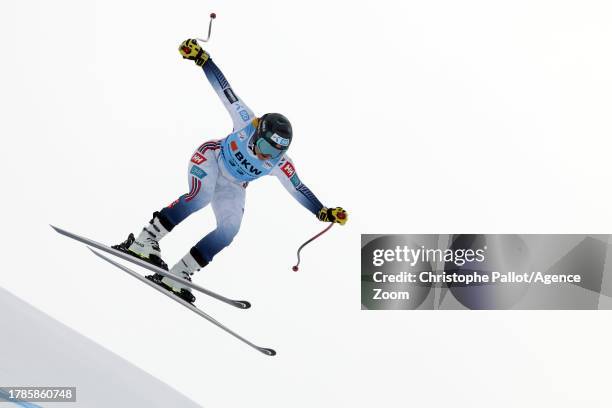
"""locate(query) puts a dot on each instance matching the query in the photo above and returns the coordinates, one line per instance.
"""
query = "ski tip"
(97, 253)
(243, 304)
(267, 351)
(59, 230)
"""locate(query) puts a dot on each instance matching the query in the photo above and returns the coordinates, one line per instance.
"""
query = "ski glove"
(337, 215)
(190, 49)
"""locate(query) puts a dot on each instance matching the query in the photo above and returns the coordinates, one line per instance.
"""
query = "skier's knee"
(228, 231)
(197, 201)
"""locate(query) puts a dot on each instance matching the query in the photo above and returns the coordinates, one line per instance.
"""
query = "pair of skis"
(241, 304)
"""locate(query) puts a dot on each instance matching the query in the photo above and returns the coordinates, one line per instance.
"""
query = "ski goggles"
(267, 149)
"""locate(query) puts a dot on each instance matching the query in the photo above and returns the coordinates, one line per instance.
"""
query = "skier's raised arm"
(240, 113)
(285, 172)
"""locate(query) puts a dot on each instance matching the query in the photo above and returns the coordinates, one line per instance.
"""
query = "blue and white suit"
(220, 170)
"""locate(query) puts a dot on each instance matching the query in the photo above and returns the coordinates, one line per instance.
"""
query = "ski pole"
(295, 267)
(212, 17)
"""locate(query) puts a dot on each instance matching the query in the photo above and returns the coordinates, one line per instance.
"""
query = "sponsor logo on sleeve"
(197, 158)
(198, 172)
(244, 115)
(230, 95)
(295, 180)
(288, 169)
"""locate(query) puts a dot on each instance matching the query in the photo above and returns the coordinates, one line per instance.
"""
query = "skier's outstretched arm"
(240, 113)
(285, 172)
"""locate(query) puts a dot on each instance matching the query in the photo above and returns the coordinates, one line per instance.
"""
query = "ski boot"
(146, 246)
(176, 288)
(184, 269)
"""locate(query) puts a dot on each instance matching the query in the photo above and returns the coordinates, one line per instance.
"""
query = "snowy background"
(417, 117)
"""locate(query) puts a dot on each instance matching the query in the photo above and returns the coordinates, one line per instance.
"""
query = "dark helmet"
(273, 135)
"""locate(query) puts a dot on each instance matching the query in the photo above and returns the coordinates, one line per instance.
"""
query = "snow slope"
(36, 350)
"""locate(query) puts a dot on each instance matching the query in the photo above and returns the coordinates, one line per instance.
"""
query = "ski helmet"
(273, 135)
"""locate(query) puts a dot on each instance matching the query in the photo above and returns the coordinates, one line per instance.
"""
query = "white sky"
(417, 117)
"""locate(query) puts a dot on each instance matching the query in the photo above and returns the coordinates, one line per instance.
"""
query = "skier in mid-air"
(219, 172)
